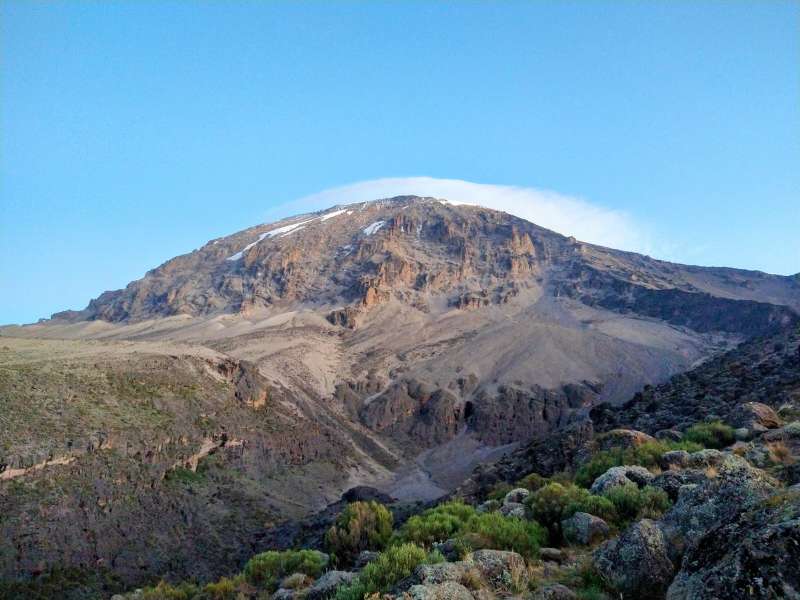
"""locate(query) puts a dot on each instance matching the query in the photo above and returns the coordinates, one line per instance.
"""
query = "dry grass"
(780, 453)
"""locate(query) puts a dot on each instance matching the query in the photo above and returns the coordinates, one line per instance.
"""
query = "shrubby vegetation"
(714, 434)
(631, 503)
(646, 455)
(394, 564)
(361, 526)
(461, 521)
(555, 502)
(265, 570)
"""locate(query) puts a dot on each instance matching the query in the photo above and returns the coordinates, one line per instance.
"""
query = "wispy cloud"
(568, 215)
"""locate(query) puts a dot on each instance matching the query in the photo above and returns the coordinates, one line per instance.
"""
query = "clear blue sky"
(135, 131)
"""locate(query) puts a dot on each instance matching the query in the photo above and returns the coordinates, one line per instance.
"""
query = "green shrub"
(436, 524)
(532, 482)
(632, 503)
(714, 434)
(265, 570)
(224, 589)
(394, 564)
(555, 502)
(166, 591)
(361, 526)
(646, 455)
(493, 530)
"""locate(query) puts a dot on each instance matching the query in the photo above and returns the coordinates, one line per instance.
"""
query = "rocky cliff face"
(396, 343)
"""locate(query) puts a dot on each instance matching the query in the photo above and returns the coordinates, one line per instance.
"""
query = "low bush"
(394, 564)
(646, 455)
(714, 434)
(224, 589)
(532, 482)
(265, 570)
(166, 591)
(555, 502)
(631, 503)
(436, 524)
(493, 530)
(361, 526)
(499, 491)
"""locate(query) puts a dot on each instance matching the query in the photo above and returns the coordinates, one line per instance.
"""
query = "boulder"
(513, 509)
(674, 459)
(554, 591)
(637, 563)
(622, 438)
(365, 557)
(756, 555)
(488, 506)
(451, 549)
(706, 458)
(672, 481)
(501, 568)
(449, 590)
(516, 496)
(441, 572)
(283, 594)
(669, 435)
(552, 555)
(583, 528)
(618, 476)
(701, 507)
(326, 586)
(754, 416)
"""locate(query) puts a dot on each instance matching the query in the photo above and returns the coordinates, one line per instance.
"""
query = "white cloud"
(565, 214)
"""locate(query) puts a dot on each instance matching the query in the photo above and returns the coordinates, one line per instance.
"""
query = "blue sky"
(134, 131)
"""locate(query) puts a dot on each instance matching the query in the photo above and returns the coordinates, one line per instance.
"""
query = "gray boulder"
(706, 458)
(516, 496)
(326, 586)
(554, 591)
(701, 507)
(637, 563)
(449, 590)
(365, 557)
(552, 555)
(754, 416)
(619, 476)
(441, 572)
(584, 529)
(754, 556)
(488, 506)
(672, 481)
(502, 569)
(674, 459)
(513, 509)
(283, 594)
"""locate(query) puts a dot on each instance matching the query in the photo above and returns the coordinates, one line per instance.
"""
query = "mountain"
(396, 343)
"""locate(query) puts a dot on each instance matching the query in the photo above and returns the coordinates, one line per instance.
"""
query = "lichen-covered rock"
(283, 594)
(488, 506)
(449, 590)
(583, 528)
(552, 555)
(754, 416)
(501, 568)
(669, 435)
(672, 481)
(706, 458)
(326, 586)
(619, 476)
(700, 507)
(516, 496)
(674, 459)
(513, 509)
(365, 557)
(637, 563)
(441, 572)
(622, 438)
(755, 556)
(554, 591)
